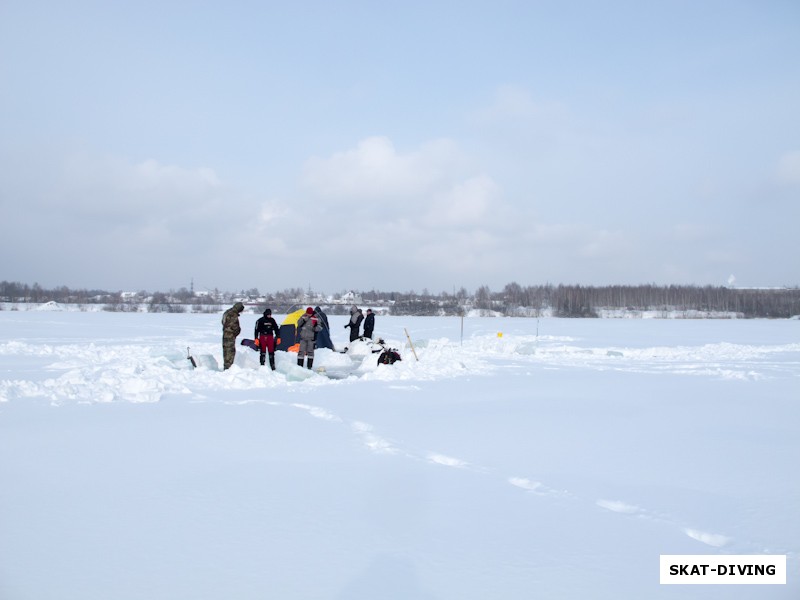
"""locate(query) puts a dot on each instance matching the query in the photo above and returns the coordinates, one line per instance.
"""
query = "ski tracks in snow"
(378, 444)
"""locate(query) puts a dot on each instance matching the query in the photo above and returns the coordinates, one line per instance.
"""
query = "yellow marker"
(499, 334)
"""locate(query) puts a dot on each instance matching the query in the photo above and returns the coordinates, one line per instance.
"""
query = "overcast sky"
(399, 145)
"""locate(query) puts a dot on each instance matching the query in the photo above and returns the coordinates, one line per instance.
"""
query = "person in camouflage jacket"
(230, 329)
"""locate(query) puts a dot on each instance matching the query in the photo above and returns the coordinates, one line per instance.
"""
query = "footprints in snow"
(377, 444)
(318, 412)
(447, 461)
(619, 507)
(709, 539)
(536, 487)
(372, 441)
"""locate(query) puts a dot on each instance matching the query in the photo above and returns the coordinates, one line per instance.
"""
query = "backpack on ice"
(389, 356)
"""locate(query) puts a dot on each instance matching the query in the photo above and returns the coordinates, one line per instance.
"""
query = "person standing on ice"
(356, 316)
(369, 324)
(266, 332)
(324, 337)
(230, 329)
(307, 328)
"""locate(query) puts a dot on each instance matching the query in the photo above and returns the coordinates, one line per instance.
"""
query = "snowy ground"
(559, 460)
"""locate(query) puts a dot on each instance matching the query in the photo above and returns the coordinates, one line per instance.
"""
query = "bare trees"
(483, 298)
(584, 301)
(513, 300)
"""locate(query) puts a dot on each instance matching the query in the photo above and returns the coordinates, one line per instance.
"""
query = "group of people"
(267, 333)
(356, 316)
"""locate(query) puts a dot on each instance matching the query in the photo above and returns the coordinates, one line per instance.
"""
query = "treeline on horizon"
(512, 300)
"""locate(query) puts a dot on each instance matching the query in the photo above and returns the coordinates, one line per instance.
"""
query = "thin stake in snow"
(410, 343)
(190, 357)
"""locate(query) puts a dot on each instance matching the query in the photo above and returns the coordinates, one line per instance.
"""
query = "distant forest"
(512, 300)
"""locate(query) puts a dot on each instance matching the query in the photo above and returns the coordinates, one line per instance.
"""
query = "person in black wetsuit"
(267, 332)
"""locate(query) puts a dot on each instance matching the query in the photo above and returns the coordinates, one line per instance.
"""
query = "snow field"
(558, 464)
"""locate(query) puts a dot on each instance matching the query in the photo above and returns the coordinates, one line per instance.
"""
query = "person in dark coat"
(230, 329)
(267, 333)
(324, 336)
(356, 316)
(369, 324)
(307, 329)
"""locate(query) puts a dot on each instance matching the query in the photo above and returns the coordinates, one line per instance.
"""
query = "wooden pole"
(410, 343)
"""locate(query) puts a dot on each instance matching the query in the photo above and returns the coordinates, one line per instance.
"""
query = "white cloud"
(602, 244)
(271, 213)
(369, 216)
(422, 196)
(789, 168)
(692, 232)
(115, 192)
(374, 169)
(151, 174)
(113, 222)
(513, 103)
(426, 211)
(432, 186)
(470, 202)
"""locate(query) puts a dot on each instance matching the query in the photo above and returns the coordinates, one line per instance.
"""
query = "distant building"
(352, 297)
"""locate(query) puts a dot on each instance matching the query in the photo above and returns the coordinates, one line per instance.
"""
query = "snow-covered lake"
(524, 458)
